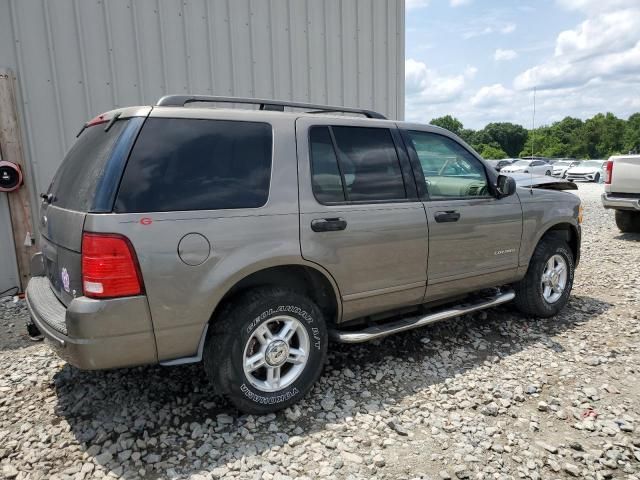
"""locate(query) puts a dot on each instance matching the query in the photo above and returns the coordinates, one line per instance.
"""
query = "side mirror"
(505, 186)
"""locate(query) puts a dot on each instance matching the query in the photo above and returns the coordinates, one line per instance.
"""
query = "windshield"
(592, 163)
(524, 163)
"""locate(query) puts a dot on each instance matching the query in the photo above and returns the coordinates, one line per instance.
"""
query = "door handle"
(448, 216)
(328, 224)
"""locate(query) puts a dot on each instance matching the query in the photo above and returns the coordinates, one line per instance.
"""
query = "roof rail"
(276, 105)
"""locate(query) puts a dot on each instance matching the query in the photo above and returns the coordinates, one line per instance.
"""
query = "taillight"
(109, 266)
(608, 172)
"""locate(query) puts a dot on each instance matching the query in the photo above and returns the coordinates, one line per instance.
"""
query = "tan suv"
(246, 238)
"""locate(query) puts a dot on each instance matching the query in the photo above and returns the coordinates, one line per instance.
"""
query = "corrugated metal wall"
(77, 58)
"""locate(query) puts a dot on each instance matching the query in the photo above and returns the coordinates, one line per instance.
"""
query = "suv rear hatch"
(86, 182)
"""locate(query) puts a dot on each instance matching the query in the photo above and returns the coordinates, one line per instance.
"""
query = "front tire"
(548, 173)
(627, 221)
(267, 351)
(596, 179)
(546, 287)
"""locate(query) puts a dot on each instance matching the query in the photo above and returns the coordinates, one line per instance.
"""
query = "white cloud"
(423, 85)
(596, 5)
(493, 27)
(603, 33)
(459, 3)
(470, 71)
(413, 4)
(504, 55)
(492, 95)
(508, 28)
(604, 46)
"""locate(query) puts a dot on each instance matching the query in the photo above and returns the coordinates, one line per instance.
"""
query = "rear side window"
(74, 184)
(326, 178)
(361, 165)
(193, 164)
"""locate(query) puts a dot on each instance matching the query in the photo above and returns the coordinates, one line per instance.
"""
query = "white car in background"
(561, 166)
(588, 171)
(535, 167)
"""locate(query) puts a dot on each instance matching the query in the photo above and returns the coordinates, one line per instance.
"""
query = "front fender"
(543, 210)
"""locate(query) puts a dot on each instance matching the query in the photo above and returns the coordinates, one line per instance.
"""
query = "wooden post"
(12, 151)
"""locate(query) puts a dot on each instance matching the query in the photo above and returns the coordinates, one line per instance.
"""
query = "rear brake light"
(97, 120)
(608, 172)
(109, 266)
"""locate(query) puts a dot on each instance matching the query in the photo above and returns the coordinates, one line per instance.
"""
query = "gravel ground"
(490, 396)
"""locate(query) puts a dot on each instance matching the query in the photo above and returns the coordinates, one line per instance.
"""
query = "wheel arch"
(304, 278)
(570, 233)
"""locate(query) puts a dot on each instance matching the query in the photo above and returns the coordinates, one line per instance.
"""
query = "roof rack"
(275, 105)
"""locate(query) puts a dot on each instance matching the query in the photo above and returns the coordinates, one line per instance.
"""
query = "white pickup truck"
(622, 191)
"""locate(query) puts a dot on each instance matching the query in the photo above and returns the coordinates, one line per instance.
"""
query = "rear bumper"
(620, 203)
(94, 334)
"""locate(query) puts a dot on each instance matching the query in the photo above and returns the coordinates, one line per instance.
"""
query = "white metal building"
(74, 59)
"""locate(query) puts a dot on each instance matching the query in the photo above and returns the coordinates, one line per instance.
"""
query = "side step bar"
(379, 331)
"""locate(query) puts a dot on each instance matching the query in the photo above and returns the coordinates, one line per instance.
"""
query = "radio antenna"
(533, 139)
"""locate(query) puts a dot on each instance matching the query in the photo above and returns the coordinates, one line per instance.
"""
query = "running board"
(379, 331)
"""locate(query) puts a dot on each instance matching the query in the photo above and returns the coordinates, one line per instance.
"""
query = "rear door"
(474, 238)
(360, 217)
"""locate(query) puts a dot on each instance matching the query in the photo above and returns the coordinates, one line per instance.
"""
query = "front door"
(474, 237)
(360, 217)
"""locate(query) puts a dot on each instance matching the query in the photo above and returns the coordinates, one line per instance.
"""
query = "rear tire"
(548, 173)
(627, 221)
(267, 350)
(546, 287)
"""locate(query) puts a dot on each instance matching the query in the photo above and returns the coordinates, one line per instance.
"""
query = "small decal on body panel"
(64, 276)
(503, 252)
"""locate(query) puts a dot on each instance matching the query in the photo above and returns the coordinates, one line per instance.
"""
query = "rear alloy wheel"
(266, 350)
(546, 287)
(628, 221)
(276, 353)
(548, 173)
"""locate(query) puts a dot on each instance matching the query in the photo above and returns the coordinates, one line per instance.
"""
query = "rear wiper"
(112, 121)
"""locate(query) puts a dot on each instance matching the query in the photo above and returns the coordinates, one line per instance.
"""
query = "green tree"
(450, 123)
(632, 134)
(509, 136)
(491, 151)
(604, 134)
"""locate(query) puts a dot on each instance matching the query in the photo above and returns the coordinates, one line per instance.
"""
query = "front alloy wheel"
(554, 278)
(546, 287)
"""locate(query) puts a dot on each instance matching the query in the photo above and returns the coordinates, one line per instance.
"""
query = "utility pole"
(13, 151)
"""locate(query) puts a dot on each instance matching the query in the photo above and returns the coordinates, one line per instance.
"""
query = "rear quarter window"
(194, 164)
(74, 184)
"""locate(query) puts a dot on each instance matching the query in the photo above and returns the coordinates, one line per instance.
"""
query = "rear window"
(193, 164)
(74, 184)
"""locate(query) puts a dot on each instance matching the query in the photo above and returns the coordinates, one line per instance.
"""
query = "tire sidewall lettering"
(281, 397)
(306, 318)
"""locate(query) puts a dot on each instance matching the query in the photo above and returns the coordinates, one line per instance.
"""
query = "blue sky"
(479, 60)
